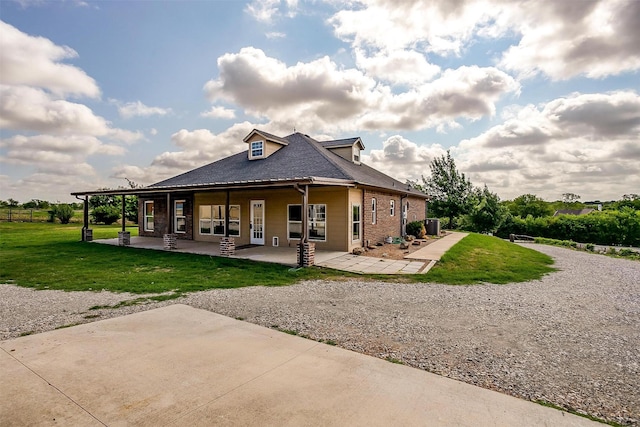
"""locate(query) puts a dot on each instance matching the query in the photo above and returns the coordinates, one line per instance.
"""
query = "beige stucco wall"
(338, 220)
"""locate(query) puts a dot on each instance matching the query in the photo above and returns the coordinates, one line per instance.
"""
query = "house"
(281, 191)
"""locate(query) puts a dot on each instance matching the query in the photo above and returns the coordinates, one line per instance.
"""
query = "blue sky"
(530, 97)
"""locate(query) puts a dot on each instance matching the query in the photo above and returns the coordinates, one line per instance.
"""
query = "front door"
(257, 222)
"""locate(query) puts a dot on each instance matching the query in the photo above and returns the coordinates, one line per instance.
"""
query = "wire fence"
(32, 215)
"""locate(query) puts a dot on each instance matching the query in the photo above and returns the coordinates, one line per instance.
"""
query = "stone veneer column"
(87, 234)
(308, 253)
(170, 241)
(227, 246)
(124, 238)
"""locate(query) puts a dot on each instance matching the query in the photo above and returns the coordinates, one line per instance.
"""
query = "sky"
(530, 97)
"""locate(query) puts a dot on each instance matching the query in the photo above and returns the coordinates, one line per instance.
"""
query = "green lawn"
(50, 256)
(485, 259)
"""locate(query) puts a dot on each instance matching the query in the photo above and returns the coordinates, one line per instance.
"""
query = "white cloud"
(275, 35)
(265, 10)
(586, 144)
(397, 67)
(35, 61)
(217, 112)
(320, 96)
(566, 39)
(28, 108)
(582, 144)
(403, 159)
(138, 109)
(596, 38)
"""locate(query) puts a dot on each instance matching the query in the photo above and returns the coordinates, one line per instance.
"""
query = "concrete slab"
(435, 250)
(182, 366)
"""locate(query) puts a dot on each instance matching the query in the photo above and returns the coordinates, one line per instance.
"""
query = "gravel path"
(572, 338)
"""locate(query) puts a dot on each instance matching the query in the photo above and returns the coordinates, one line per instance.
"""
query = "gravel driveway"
(572, 338)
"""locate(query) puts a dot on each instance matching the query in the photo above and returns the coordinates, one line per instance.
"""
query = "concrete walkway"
(178, 365)
(419, 261)
(434, 251)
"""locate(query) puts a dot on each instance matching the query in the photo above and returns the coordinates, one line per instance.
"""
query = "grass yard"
(50, 256)
(486, 259)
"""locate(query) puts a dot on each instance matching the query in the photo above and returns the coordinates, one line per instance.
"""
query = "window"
(205, 219)
(355, 222)
(212, 220)
(374, 215)
(317, 222)
(392, 208)
(257, 149)
(148, 216)
(234, 220)
(180, 219)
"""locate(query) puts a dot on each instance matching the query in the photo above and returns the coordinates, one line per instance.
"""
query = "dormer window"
(257, 149)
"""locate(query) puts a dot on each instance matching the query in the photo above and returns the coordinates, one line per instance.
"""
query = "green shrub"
(63, 212)
(590, 247)
(105, 214)
(620, 227)
(416, 228)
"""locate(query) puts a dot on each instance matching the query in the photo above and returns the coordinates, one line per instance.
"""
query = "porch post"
(227, 244)
(124, 237)
(305, 250)
(87, 233)
(169, 238)
(124, 218)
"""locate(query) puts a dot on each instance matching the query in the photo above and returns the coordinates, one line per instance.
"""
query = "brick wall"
(387, 225)
(160, 216)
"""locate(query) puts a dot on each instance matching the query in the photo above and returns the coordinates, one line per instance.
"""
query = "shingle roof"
(302, 158)
(339, 142)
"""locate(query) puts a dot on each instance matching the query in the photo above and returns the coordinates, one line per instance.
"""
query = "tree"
(529, 204)
(487, 213)
(570, 197)
(12, 203)
(63, 212)
(449, 189)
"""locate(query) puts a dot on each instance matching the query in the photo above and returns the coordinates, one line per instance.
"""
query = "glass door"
(257, 222)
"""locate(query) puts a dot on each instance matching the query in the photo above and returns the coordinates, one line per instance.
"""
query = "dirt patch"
(393, 250)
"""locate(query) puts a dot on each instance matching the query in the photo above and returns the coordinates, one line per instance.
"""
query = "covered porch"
(277, 255)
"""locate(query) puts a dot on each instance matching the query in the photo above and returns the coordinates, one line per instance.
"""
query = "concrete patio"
(418, 262)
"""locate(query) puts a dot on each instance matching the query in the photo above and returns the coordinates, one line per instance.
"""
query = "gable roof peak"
(267, 136)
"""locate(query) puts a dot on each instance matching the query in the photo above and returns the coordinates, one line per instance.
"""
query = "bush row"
(604, 228)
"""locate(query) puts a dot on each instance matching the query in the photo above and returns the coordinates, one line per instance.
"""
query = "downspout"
(168, 213)
(226, 217)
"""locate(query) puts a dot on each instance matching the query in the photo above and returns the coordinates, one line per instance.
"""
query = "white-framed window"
(205, 219)
(180, 220)
(317, 222)
(392, 208)
(257, 149)
(355, 222)
(374, 211)
(148, 215)
(212, 220)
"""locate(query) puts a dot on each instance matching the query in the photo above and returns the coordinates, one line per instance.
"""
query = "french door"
(257, 222)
